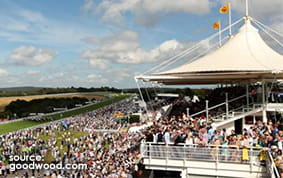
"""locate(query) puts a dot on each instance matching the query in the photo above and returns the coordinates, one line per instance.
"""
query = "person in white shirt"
(167, 136)
(189, 140)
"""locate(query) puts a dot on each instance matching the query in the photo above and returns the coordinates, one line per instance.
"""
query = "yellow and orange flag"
(216, 25)
(224, 9)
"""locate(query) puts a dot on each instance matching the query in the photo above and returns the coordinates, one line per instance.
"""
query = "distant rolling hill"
(21, 88)
(4, 101)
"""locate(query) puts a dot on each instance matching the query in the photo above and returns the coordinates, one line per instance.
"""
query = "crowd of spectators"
(107, 154)
(116, 154)
(196, 131)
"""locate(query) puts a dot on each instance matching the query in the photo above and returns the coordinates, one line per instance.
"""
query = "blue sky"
(91, 43)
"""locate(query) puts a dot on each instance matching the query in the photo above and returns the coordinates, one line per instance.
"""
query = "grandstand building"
(242, 59)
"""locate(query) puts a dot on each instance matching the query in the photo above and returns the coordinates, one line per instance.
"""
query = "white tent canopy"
(246, 51)
(244, 57)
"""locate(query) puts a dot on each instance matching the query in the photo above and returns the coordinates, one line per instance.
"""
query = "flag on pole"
(216, 25)
(227, 10)
(224, 9)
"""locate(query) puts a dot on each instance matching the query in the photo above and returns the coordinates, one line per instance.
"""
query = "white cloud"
(146, 12)
(34, 28)
(259, 8)
(88, 5)
(97, 79)
(21, 20)
(94, 61)
(33, 72)
(91, 76)
(269, 12)
(124, 48)
(14, 25)
(3, 72)
(31, 16)
(118, 75)
(30, 55)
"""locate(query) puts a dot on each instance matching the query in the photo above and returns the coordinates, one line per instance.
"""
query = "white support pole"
(264, 116)
(188, 112)
(217, 158)
(254, 120)
(206, 108)
(251, 159)
(167, 154)
(137, 82)
(263, 92)
(227, 105)
(148, 96)
(184, 173)
(220, 35)
(247, 8)
(149, 152)
(247, 96)
(139, 89)
(142, 149)
(230, 20)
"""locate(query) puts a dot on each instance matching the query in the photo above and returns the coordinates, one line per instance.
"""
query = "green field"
(5, 128)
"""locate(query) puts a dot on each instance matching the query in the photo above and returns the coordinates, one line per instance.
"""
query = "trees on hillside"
(23, 108)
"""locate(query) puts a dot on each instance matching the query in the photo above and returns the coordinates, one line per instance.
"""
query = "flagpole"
(220, 36)
(230, 20)
(247, 8)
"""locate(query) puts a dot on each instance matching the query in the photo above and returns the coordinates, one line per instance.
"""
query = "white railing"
(237, 111)
(271, 168)
(232, 154)
(211, 153)
(244, 108)
(219, 105)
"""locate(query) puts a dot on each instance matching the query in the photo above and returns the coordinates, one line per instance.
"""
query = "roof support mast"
(220, 35)
(230, 20)
(247, 8)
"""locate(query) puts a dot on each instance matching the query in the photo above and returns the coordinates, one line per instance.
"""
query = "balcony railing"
(271, 168)
(232, 154)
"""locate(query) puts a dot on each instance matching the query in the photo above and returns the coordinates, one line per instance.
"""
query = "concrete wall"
(207, 169)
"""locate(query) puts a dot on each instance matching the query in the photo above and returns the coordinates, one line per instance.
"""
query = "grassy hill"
(4, 101)
(25, 88)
